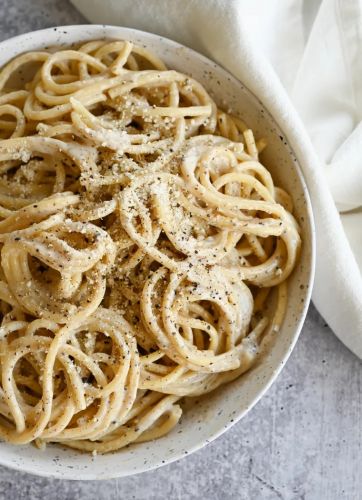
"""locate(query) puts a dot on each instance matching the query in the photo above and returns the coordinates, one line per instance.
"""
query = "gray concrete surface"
(302, 440)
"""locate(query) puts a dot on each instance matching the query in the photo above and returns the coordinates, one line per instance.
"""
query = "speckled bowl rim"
(110, 32)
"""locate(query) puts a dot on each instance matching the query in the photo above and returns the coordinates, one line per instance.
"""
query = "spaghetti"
(144, 247)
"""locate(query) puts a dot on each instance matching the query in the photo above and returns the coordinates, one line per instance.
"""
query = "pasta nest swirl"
(188, 305)
(33, 168)
(241, 196)
(67, 383)
(56, 269)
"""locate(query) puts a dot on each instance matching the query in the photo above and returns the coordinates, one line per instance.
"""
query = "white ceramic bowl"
(237, 398)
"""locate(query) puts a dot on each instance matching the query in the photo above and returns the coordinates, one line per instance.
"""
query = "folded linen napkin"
(311, 50)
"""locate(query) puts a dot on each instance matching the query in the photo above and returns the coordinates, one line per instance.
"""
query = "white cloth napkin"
(311, 50)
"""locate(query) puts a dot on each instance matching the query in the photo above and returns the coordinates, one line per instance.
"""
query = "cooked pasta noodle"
(145, 250)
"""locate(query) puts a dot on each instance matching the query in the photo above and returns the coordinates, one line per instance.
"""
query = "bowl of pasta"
(157, 251)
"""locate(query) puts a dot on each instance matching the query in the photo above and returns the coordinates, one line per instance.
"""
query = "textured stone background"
(303, 440)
